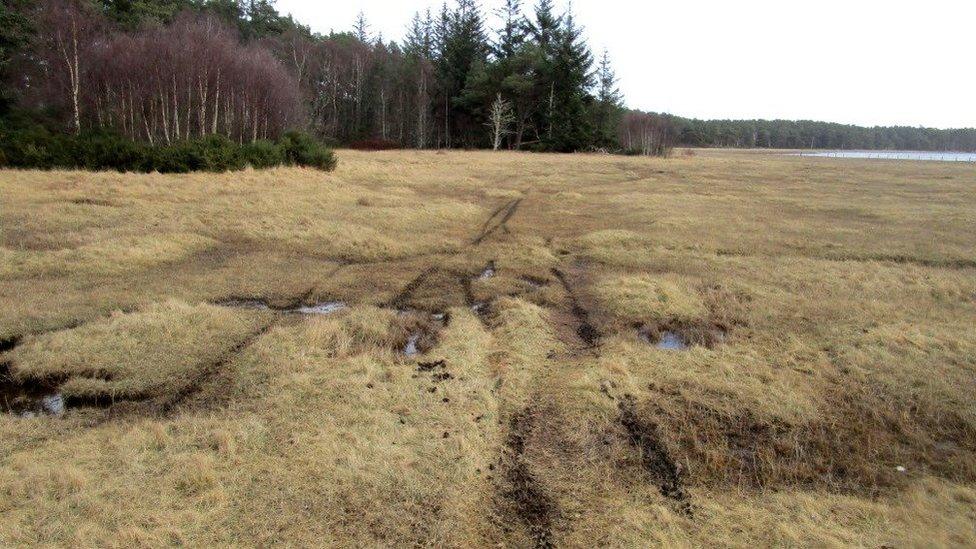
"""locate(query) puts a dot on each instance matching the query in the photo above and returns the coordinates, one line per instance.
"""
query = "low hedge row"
(37, 148)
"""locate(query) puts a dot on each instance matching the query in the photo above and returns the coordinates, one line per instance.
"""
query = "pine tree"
(511, 37)
(361, 28)
(419, 39)
(462, 50)
(546, 27)
(609, 103)
(566, 70)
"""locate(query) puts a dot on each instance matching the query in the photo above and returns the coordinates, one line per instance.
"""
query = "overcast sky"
(867, 62)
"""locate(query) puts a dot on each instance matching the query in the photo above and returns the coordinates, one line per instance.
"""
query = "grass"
(828, 399)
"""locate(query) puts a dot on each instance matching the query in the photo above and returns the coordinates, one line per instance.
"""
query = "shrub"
(301, 150)
(263, 154)
(106, 152)
(37, 148)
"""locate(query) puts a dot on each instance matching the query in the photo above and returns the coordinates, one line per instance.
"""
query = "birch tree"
(500, 120)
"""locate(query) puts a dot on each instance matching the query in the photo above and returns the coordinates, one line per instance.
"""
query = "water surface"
(895, 155)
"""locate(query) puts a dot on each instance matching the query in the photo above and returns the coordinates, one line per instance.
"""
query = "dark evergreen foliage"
(35, 147)
(437, 89)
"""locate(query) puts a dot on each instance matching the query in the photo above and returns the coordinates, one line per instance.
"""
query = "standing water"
(895, 155)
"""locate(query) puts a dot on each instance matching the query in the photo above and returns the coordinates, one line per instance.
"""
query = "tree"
(609, 103)
(511, 36)
(569, 69)
(68, 30)
(16, 30)
(646, 134)
(360, 28)
(500, 119)
(462, 50)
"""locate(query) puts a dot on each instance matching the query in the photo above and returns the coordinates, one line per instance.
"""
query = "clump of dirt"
(437, 370)
(431, 366)
(520, 492)
(657, 461)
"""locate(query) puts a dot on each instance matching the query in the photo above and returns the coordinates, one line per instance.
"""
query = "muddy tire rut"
(655, 458)
(521, 496)
(587, 333)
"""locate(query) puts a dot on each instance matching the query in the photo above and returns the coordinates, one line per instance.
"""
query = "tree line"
(165, 71)
(807, 134)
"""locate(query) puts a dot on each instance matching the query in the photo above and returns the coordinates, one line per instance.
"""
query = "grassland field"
(822, 392)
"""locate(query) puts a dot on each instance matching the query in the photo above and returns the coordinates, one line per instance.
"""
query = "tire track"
(487, 229)
(521, 493)
(584, 330)
(655, 458)
(169, 405)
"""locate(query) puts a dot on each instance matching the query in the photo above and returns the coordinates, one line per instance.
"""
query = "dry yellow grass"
(828, 401)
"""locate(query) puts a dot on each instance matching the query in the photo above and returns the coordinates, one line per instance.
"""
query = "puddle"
(323, 308)
(488, 272)
(326, 308)
(682, 338)
(410, 349)
(25, 399)
(671, 341)
(666, 340)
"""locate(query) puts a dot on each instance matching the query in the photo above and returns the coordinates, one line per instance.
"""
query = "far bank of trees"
(163, 72)
(806, 134)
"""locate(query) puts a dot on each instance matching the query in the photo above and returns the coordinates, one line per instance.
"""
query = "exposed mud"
(534, 283)
(585, 330)
(26, 398)
(93, 202)
(170, 403)
(322, 308)
(9, 343)
(520, 492)
(418, 332)
(253, 304)
(657, 462)
(42, 397)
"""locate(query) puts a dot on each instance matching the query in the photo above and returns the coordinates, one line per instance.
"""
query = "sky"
(865, 62)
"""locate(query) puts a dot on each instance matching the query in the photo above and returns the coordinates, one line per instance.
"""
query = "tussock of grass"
(143, 354)
(647, 298)
(111, 257)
